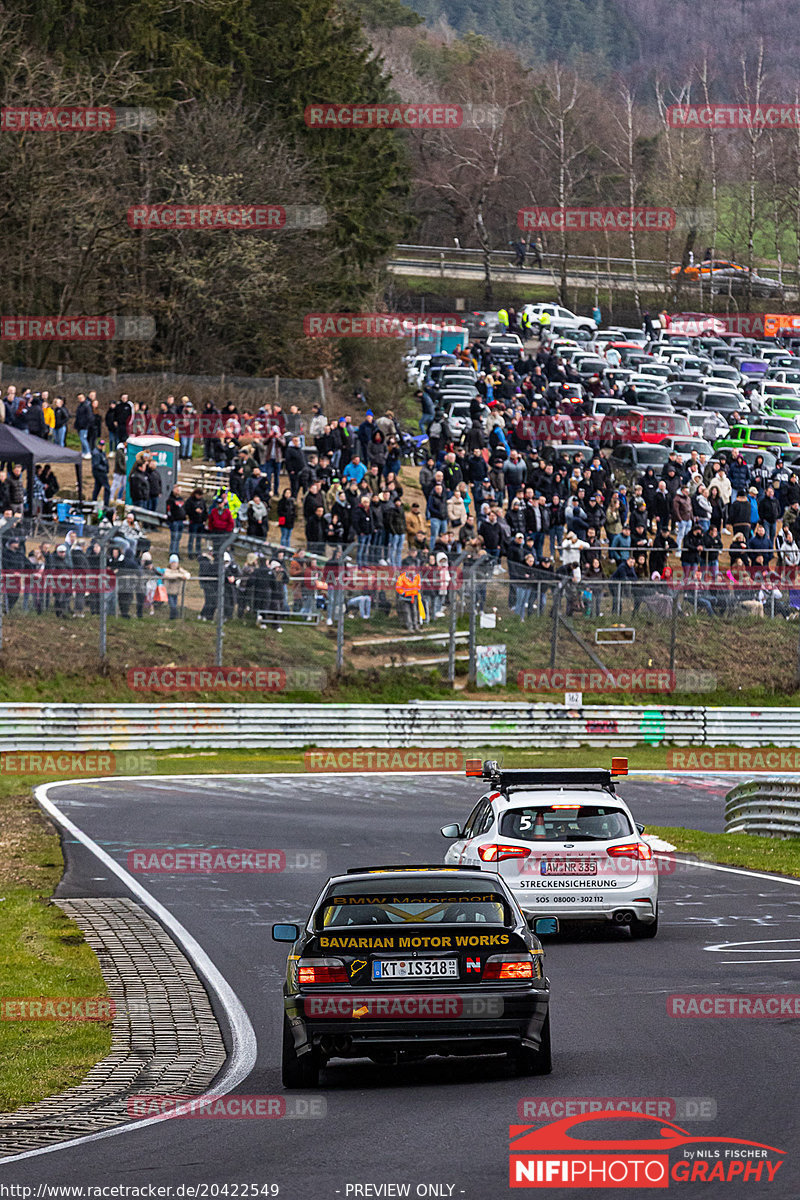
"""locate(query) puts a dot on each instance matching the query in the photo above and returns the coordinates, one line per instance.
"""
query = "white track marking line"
(242, 1058)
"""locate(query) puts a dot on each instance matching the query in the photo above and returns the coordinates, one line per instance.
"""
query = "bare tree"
(684, 178)
(470, 169)
(624, 156)
(562, 129)
(752, 91)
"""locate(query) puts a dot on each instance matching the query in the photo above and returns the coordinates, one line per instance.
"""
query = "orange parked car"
(704, 270)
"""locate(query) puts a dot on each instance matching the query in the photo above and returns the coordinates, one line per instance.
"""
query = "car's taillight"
(321, 970)
(494, 853)
(631, 850)
(508, 966)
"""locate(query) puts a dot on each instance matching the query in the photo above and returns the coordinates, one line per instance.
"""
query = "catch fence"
(112, 607)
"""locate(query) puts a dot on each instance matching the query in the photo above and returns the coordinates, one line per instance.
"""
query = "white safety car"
(565, 843)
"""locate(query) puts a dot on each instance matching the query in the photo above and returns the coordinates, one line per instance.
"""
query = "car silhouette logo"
(665, 1136)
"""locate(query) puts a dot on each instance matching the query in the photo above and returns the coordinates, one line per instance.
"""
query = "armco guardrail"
(752, 727)
(582, 270)
(424, 723)
(770, 807)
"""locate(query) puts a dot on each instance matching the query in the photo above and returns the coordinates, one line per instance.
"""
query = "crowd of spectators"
(494, 497)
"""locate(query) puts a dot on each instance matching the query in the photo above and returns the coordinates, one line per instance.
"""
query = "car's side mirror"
(640, 827)
(451, 831)
(544, 926)
(285, 933)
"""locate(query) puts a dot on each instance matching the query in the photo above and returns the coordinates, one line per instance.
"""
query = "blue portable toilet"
(165, 452)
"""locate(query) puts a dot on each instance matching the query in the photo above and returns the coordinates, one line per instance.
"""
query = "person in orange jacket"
(408, 588)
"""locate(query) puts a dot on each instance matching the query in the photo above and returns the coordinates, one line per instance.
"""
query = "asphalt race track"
(443, 1122)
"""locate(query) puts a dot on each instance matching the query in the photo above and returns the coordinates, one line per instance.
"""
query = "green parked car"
(782, 406)
(755, 437)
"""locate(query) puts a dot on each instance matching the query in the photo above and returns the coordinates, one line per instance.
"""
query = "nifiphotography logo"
(622, 1149)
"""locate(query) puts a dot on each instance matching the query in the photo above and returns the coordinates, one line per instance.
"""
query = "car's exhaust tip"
(624, 916)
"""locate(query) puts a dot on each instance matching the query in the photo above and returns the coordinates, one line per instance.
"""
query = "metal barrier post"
(472, 655)
(3, 523)
(224, 542)
(673, 634)
(220, 603)
(342, 605)
(451, 653)
(556, 618)
(103, 603)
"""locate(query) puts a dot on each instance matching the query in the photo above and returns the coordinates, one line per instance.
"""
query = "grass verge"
(42, 953)
(780, 856)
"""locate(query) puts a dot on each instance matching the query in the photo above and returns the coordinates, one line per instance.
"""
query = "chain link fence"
(616, 637)
(149, 386)
(99, 605)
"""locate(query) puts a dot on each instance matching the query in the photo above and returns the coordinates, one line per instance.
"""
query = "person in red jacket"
(220, 518)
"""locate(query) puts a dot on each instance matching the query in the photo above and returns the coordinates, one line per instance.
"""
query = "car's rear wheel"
(298, 1071)
(534, 1062)
(640, 930)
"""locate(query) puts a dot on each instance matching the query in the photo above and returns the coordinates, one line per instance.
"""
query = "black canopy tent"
(16, 446)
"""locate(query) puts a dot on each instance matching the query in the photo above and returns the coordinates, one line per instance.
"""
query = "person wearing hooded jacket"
(127, 571)
(571, 548)
(15, 563)
(738, 473)
(36, 424)
(209, 584)
(788, 550)
(139, 484)
(649, 487)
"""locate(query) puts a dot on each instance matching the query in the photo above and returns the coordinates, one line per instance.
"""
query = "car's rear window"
(347, 905)
(759, 434)
(565, 823)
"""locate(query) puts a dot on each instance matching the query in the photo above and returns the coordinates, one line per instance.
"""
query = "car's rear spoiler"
(491, 771)
(405, 868)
